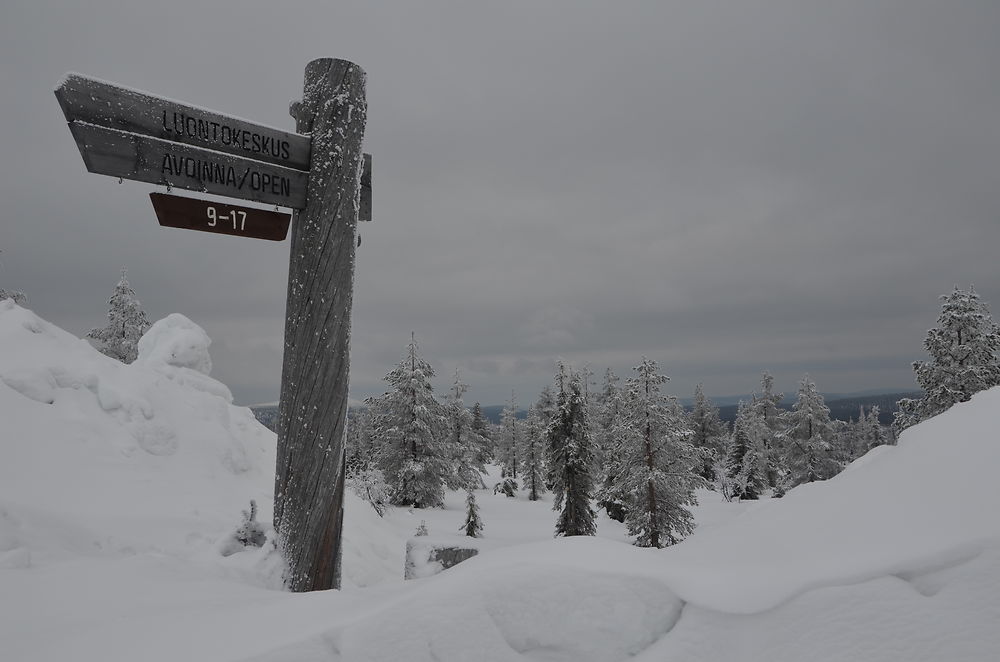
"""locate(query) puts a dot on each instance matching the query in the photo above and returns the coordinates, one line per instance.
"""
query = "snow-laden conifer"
(572, 459)
(708, 433)
(126, 324)
(15, 295)
(767, 408)
(468, 447)
(875, 434)
(510, 439)
(546, 407)
(611, 496)
(412, 430)
(532, 454)
(482, 427)
(473, 526)
(807, 437)
(746, 464)
(965, 358)
(658, 464)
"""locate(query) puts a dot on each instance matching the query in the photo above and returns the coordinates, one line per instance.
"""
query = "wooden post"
(309, 476)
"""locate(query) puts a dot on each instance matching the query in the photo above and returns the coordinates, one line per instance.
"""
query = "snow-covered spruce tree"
(745, 464)
(874, 432)
(507, 444)
(856, 438)
(807, 434)
(126, 324)
(361, 454)
(546, 406)
(766, 407)
(611, 496)
(359, 446)
(412, 430)
(249, 534)
(468, 447)
(532, 454)
(658, 463)
(965, 359)
(473, 526)
(605, 414)
(482, 427)
(16, 296)
(708, 433)
(572, 458)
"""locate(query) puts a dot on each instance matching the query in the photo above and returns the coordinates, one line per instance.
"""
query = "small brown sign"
(174, 211)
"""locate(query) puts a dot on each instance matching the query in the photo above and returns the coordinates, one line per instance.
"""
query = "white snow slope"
(119, 486)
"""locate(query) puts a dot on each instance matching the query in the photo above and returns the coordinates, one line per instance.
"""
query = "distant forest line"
(841, 409)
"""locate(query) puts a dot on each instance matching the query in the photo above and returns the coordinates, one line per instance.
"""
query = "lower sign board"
(174, 211)
(146, 159)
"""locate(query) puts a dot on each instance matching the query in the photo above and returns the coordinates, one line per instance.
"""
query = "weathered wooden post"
(130, 134)
(309, 477)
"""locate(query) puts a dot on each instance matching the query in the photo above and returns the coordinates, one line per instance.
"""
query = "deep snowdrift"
(119, 485)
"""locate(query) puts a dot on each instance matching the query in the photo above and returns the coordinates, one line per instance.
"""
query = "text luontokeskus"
(183, 124)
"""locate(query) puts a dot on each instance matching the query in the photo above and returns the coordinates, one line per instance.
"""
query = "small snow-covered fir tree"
(658, 464)
(360, 449)
(473, 526)
(807, 435)
(745, 465)
(708, 433)
(874, 432)
(250, 533)
(510, 439)
(412, 430)
(14, 295)
(611, 496)
(467, 446)
(546, 406)
(126, 324)
(482, 427)
(965, 359)
(572, 459)
(767, 408)
(533, 454)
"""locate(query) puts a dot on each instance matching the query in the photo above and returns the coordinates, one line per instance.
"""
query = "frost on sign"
(133, 135)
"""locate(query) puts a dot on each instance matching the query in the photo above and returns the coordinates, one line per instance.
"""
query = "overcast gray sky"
(725, 187)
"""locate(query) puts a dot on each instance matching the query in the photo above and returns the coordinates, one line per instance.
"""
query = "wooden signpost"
(321, 173)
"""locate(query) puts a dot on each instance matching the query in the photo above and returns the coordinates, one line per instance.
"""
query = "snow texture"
(119, 483)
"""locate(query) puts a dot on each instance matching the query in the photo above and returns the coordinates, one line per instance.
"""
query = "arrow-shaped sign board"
(174, 211)
(130, 134)
(146, 159)
(93, 101)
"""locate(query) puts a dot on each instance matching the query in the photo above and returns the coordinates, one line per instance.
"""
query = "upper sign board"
(110, 106)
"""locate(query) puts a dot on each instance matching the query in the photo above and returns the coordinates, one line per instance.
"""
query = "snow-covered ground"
(120, 485)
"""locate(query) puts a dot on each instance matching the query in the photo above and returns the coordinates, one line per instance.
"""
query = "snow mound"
(98, 457)
(176, 341)
(930, 501)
